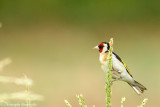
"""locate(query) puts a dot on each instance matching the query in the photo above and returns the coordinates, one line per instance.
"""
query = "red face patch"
(101, 45)
(100, 50)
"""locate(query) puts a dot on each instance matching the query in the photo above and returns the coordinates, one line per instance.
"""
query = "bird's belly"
(115, 74)
(126, 77)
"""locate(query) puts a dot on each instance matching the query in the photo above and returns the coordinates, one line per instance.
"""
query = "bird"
(119, 69)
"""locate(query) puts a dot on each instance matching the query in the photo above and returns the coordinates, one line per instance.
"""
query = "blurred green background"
(51, 41)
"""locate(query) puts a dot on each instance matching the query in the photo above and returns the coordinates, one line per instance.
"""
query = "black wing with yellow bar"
(123, 63)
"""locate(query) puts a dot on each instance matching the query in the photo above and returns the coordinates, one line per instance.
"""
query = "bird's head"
(102, 47)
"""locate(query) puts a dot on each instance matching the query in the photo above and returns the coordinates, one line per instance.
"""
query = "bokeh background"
(51, 41)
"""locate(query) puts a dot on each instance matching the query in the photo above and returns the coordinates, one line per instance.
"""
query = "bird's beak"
(96, 47)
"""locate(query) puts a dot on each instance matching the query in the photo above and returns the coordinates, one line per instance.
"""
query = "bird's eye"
(100, 47)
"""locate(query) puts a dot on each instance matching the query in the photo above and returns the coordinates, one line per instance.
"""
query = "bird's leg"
(119, 72)
(114, 80)
(115, 76)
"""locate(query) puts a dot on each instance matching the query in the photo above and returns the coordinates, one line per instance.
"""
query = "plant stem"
(67, 103)
(109, 75)
(122, 101)
(144, 102)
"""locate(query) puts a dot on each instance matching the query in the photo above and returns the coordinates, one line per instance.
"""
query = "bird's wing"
(117, 57)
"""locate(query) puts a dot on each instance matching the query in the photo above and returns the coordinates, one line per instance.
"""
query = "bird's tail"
(139, 88)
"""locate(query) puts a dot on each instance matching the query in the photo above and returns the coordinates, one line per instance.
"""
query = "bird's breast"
(103, 61)
(103, 58)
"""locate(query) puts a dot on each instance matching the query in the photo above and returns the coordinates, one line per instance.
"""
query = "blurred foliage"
(81, 11)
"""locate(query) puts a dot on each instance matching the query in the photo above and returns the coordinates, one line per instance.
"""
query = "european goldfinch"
(119, 68)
